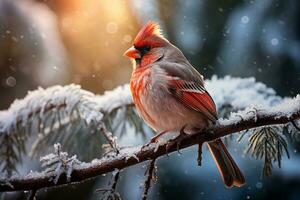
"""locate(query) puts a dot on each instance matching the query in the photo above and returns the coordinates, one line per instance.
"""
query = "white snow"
(285, 108)
(118, 97)
(37, 102)
(240, 92)
(125, 153)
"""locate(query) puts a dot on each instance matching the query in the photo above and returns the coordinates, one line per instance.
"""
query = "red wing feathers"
(194, 96)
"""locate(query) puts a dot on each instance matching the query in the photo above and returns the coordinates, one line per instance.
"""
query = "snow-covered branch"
(56, 112)
(252, 117)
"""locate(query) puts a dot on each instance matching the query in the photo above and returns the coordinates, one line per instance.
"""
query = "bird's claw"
(145, 146)
(152, 141)
(176, 141)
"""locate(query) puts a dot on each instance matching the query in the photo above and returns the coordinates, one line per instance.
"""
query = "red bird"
(170, 96)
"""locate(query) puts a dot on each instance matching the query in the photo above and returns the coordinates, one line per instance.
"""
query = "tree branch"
(243, 120)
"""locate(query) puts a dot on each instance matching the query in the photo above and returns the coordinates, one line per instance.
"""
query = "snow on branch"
(240, 92)
(253, 117)
(49, 113)
(38, 103)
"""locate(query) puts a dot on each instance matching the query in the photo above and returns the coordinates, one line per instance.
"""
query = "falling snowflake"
(259, 185)
(274, 42)
(11, 81)
(127, 38)
(112, 27)
(245, 19)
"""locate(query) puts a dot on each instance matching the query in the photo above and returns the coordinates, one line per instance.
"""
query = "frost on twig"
(59, 163)
(110, 138)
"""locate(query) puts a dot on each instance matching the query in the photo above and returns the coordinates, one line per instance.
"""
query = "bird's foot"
(153, 140)
(176, 141)
(207, 133)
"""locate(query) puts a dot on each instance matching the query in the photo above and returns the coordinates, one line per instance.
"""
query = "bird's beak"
(132, 53)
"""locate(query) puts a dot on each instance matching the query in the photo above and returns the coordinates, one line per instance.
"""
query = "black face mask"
(143, 49)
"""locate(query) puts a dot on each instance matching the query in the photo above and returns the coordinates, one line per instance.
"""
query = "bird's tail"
(230, 172)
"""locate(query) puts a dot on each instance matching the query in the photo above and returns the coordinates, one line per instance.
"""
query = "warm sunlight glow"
(96, 33)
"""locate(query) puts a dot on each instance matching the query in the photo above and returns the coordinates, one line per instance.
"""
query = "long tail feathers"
(230, 172)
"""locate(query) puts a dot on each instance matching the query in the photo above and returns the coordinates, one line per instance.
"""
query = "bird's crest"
(150, 29)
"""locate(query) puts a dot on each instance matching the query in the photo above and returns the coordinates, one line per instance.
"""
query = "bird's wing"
(193, 96)
(187, 86)
(183, 70)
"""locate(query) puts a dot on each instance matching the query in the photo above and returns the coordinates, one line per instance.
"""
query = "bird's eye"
(143, 49)
(146, 48)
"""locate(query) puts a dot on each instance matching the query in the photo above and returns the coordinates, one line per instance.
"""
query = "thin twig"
(295, 125)
(109, 137)
(111, 193)
(115, 180)
(199, 158)
(149, 179)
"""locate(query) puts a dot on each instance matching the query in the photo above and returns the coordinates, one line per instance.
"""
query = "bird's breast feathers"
(156, 104)
(139, 83)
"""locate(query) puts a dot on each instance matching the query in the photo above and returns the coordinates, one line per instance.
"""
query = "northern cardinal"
(169, 94)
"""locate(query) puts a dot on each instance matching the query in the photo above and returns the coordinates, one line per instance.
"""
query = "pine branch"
(243, 120)
(268, 143)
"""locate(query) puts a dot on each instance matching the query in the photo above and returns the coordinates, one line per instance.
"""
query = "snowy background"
(50, 42)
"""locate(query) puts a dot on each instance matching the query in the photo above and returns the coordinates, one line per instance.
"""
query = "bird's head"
(148, 46)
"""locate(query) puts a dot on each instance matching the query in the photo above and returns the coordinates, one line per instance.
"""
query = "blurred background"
(49, 42)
